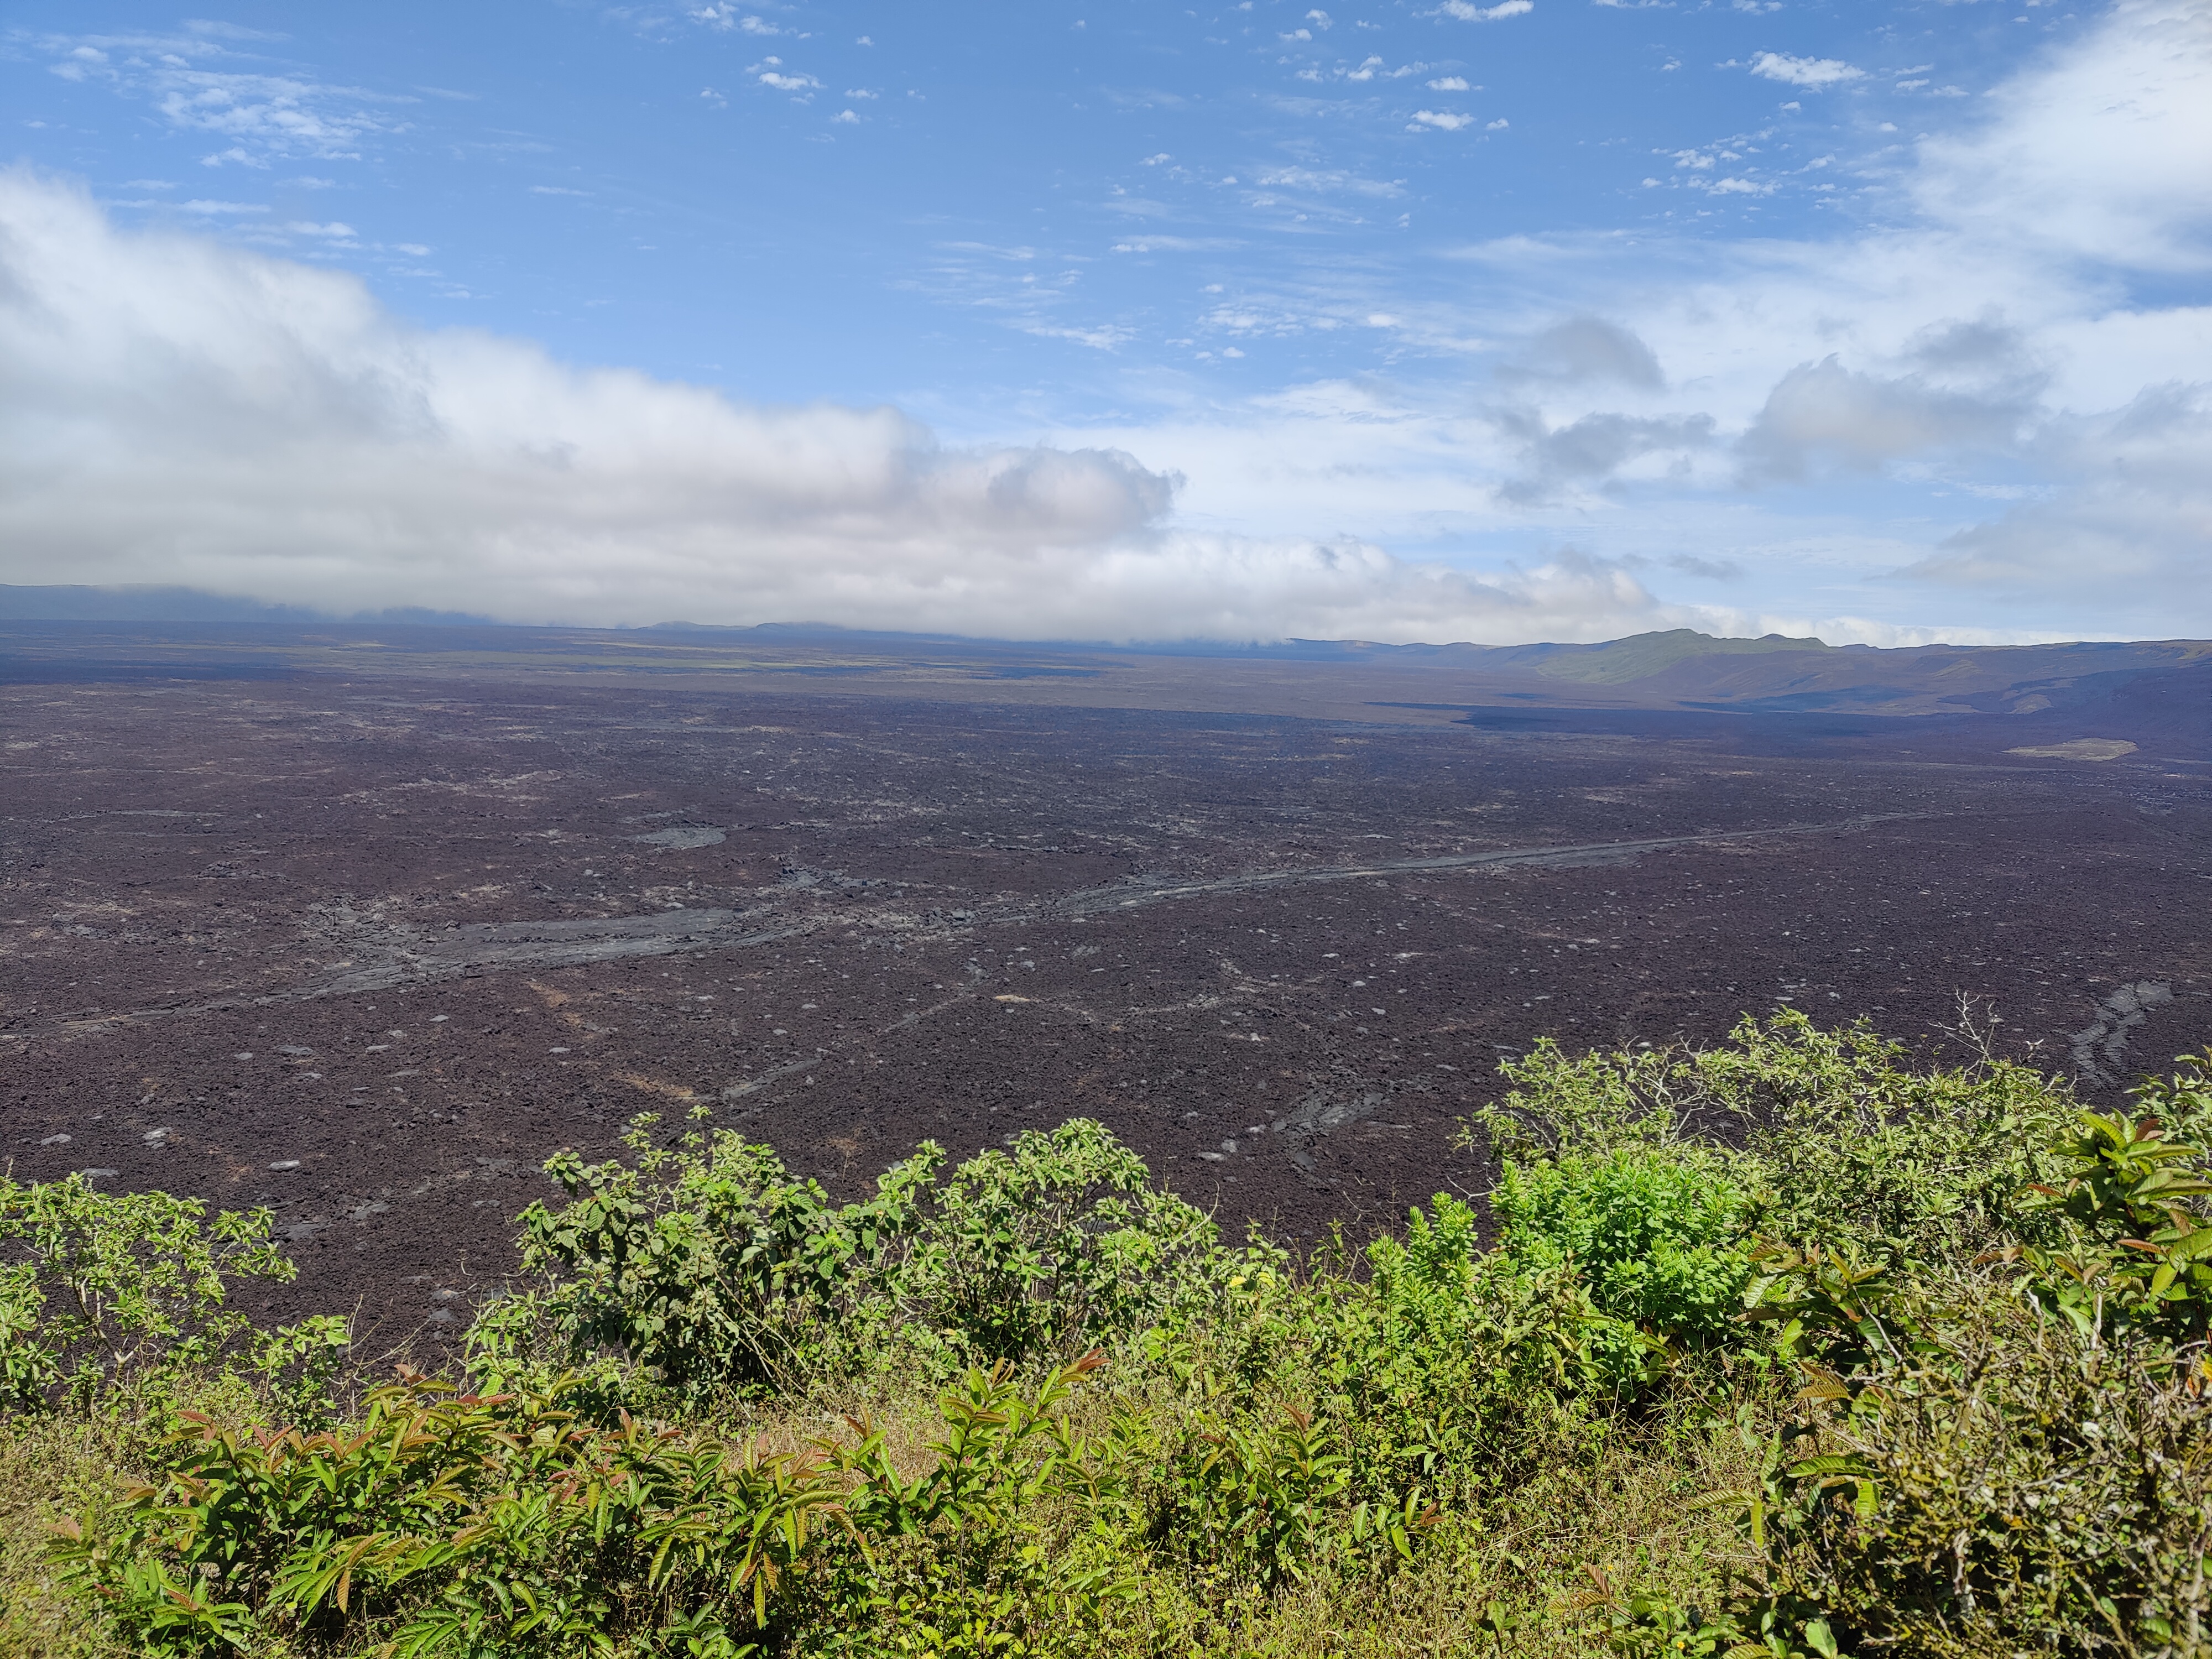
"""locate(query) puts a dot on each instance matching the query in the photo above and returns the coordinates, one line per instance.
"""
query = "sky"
(1885, 322)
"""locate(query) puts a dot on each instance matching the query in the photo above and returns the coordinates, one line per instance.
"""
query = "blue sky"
(1399, 320)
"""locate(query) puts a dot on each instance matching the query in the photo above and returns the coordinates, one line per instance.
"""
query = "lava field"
(367, 947)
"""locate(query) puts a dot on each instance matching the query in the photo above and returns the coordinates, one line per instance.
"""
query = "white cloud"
(196, 85)
(175, 410)
(1966, 408)
(1983, 398)
(1449, 84)
(1327, 180)
(1584, 350)
(2100, 152)
(2130, 521)
(783, 83)
(726, 17)
(1816, 72)
(1442, 119)
(1824, 411)
(1472, 13)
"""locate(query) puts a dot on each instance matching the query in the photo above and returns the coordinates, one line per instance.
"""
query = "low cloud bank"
(175, 410)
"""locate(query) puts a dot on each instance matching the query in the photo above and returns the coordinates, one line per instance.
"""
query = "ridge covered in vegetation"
(1780, 1348)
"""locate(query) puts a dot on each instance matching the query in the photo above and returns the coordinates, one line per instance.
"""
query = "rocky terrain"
(363, 930)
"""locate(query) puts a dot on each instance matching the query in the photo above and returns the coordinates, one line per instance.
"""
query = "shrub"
(706, 1266)
(98, 1289)
(1057, 1246)
(2012, 1484)
(1659, 1239)
(453, 1524)
(2011, 1452)
(1834, 1136)
(714, 1272)
(1965, 1411)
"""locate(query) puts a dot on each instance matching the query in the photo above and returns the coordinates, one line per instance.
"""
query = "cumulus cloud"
(1814, 72)
(1591, 451)
(2136, 508)
(1824, 413)
(176, 410)
(1472, 13)
(2000, 393)
(1582, 351)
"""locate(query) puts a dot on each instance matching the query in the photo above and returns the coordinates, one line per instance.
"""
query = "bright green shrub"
(1603, 1261)
(1524, 1324)
(1659, 1239)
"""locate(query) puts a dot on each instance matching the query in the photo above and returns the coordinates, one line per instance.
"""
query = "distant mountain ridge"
(2166, 683)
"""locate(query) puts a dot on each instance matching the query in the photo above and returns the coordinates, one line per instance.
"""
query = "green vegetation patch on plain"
(1779, 1348)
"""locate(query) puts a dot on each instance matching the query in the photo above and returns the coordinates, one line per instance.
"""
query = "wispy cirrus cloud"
(200, 81)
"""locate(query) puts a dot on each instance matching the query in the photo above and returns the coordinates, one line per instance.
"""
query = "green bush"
(2014, 1451)
(706, 1266)
(1834, 1137)
(1660, 1240)
(2001, 1482)
(450, 1524)
(715, 1274)
(1057, 1246)
(103, 1289)
(1779, 1349)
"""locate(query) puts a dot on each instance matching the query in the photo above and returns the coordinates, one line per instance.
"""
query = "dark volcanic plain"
(362, 924)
